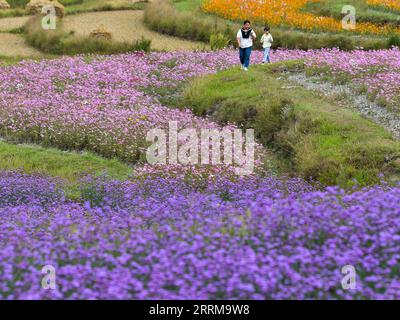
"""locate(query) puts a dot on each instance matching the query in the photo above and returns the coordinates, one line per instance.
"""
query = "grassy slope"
(318, 138)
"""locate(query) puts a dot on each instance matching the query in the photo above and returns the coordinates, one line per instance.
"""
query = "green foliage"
(15, 12)
(18, 3)
(393, 41)
(142, 44)
(219, 41)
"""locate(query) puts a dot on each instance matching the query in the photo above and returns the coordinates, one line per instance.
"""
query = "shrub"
(142, 44)
(393, 41)
(219, 41)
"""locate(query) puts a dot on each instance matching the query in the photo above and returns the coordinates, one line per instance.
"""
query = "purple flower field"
(255, 238)
(164, 237)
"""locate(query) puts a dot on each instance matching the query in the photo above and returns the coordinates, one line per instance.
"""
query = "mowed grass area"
(67, 165)
(314, 137)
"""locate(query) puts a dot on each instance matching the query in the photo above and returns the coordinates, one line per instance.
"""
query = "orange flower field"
(288, 13)
(393, 4)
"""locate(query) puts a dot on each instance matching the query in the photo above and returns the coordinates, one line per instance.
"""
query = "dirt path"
(7, 24)
(126, 26)
(13, 45)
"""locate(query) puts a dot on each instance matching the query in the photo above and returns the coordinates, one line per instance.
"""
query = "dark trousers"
(245, 54)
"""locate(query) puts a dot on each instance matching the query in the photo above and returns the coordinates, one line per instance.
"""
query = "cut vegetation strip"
(318, 139)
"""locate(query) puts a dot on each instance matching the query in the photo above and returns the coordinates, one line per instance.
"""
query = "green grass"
(17, 12)
(364, 13)
(187, 5)
(314, 137)
(7, 60)
(74, 7)
(67, 165)
(103, 5)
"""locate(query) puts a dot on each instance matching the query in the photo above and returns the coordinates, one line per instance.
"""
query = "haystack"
(35, 7)
(101, 33)
(4, 5)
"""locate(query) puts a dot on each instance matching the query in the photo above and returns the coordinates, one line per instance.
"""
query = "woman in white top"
(245, 37)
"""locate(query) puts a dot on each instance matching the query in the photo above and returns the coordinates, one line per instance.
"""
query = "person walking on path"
(266, 41)
(245, 38)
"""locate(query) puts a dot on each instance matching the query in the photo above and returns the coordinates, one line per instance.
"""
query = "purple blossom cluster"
(253, 238)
